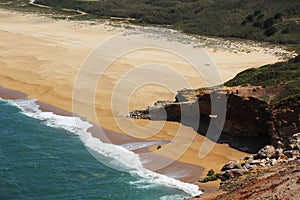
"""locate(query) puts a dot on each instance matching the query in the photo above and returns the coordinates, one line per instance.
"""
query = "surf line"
(119, 157)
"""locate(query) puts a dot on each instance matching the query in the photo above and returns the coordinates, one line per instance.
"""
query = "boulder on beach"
(267, 152)
(231, 165)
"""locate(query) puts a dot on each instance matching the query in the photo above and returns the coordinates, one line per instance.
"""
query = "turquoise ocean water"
(46, 156)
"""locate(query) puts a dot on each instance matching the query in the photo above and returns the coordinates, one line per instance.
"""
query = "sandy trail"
(32, 2)
(42, 57)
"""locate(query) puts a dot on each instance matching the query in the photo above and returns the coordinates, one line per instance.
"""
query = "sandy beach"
(41, 57)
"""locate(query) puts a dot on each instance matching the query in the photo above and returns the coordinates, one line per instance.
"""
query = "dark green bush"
(249, 18)
(257, 12)
(261, 16)
(270, 31)
(257, 24)
(210, 172)
(277, 16)
(268, 23)
(244, 23)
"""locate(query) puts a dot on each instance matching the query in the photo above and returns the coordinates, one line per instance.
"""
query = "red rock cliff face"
(286, 122)
(246, 115)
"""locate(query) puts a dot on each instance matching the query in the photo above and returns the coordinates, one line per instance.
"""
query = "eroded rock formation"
(248, 115)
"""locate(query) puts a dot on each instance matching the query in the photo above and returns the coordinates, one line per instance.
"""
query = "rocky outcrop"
(249, 114)
(245, 116)
(266, 158)
(231, 165)
(266, 152)
(275, 182)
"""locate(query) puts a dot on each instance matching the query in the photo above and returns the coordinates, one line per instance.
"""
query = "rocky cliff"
(251, 120)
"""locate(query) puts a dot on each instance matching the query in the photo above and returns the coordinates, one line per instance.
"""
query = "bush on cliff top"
(268, 75)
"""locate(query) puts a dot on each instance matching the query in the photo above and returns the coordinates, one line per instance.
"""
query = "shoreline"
(115, 138)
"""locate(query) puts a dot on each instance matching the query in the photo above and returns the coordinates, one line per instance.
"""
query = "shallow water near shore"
(41, 160)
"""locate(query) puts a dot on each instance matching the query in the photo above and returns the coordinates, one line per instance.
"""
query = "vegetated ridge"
(264, 20)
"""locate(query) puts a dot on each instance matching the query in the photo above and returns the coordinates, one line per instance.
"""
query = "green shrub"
(270, 31)
(257, 12)
(243, 22)
(268, 23)
(249, 18)
(261, 16)
(277, 16)
(210, 172)
(209, 178)
(257, 24)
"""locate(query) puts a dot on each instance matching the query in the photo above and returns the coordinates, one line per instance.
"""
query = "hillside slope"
(267, 20)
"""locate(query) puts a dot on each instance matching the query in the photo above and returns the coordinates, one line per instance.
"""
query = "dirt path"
(80, 13)
(32, 2)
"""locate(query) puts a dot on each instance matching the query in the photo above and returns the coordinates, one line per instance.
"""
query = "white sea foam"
(173, 197)
(111, 155)
(139, 145)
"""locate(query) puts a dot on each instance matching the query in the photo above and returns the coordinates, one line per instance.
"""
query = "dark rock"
(231, 165)
(139, 114)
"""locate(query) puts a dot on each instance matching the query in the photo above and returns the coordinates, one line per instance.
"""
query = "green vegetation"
(269, 74)
(265, 97)
(256, 20)
(265, 20)
(292, 91)
(211, 172)
(287, 73)
(212, 176)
